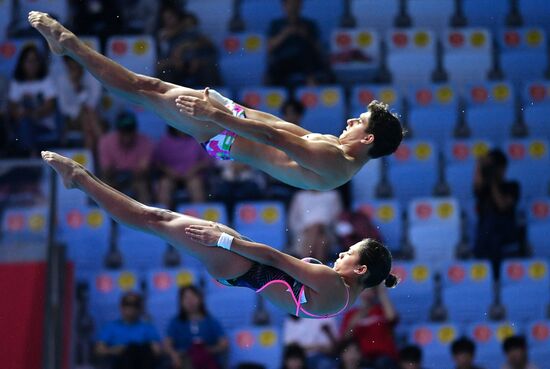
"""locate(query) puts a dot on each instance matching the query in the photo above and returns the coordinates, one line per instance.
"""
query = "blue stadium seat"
(467, 55)
(538, 338)
(24, 225)
(467, 291)
(232, 306)
(490, 110)
(262, 221)
(162, 293)
(486, 13)
(378, 14)
(411, 56)
(413, 170)
(433, 14)
(6, 7)
(211, 211)
(522, 47)
(214, 17)
(434, 229)
(268, 99)
(137, 53)
(386, 216)
(10, 50)
(325, 109)
(488, 337)
(105, 290)
(524, 289)
(460, 162)
(140, 250)
(535, 13)
(433, 112)
(355, 54)
(258, 14)
(538, 227)
(85, 231)
(536, 108)
(364, 182)
(528, 164)
(362, 95)
(243, 59)
(435, 340)
(261, 345)
(415, 295)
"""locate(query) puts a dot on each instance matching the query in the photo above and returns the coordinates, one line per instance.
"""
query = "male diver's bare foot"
(51, 29)
(65, 167)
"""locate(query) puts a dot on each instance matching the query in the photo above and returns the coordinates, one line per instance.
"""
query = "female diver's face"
(348, 260)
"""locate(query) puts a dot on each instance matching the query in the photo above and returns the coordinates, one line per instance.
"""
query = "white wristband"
(225, 241)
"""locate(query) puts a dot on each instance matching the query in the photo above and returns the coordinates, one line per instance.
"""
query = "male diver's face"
(347, 260)
(355, 128)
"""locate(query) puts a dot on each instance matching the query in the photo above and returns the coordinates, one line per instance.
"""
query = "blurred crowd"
(194, 339)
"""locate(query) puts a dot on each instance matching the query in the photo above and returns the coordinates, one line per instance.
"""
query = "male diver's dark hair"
(378, 260)
(386, 128)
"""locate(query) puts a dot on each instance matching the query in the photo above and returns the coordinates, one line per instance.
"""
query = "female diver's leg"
(170, 226)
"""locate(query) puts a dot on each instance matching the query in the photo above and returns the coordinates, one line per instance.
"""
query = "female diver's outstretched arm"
(314, 276)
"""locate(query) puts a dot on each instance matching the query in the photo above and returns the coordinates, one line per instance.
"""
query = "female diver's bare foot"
(65, 167)
(51, 29)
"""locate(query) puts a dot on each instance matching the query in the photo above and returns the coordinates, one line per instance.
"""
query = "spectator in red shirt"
(181, 162)
(125, 157)
(371, 326)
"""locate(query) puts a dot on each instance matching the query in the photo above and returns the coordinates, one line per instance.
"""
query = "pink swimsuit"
(261, 276)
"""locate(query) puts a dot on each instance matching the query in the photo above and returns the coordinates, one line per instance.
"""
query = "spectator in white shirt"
(79, 95)
(31, 102)
(311, 220)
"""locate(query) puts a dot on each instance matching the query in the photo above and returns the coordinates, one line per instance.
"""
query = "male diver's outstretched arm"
(312, 275)
(276, 122)
(316, 156)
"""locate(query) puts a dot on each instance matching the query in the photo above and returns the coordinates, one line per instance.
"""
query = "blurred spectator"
(354, 226)
(186, 57)
(194, 338)
(96, 18)
(250, 366)
(410, 357)
(294, 48)
(238, 182)
(349, 356)
(515, 349)
(311, 219)
(79, 95)
(317, 337)
(130, 342)
(181, 162)
(497, 199)
(125, 157)
(32, 102)
(294, 357)
(293, 111)
(371, 326)
(463, 351)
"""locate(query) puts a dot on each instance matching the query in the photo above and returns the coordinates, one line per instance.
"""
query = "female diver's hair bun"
(391, 281)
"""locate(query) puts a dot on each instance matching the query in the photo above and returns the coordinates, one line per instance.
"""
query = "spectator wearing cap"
(515, 349)
(463, 351)
(410, 357)
(129, 342)
(125, 157)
